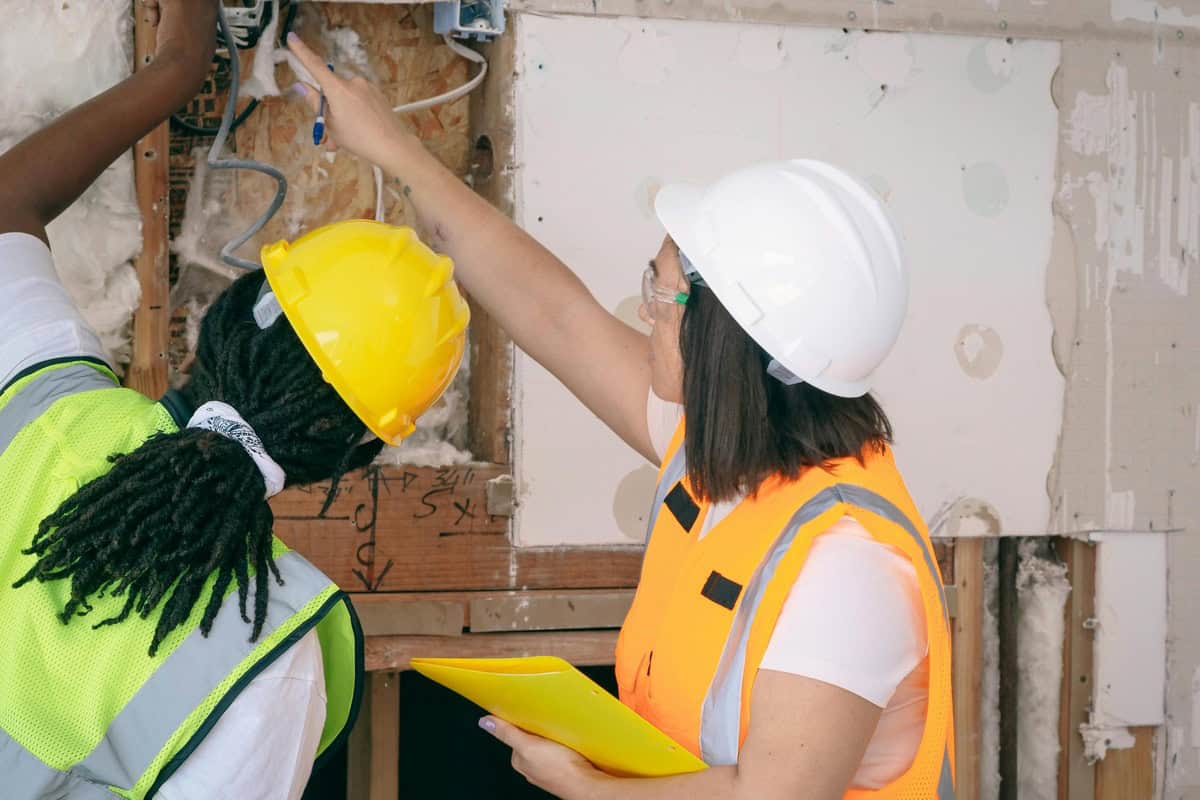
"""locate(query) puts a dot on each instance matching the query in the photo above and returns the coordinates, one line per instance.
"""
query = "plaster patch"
(648, 55)
(627, 312)
(760, 49)
(979, 350)
(1155, 13)
(989, 65)
(631, 502)
(886, 58)
(969, 517)
(985, 188)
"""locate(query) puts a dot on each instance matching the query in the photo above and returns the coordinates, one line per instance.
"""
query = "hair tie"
(224, 420)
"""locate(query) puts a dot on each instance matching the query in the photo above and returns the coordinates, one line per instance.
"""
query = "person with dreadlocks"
(156, 640)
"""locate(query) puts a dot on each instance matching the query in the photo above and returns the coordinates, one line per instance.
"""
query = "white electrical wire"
(420, 105)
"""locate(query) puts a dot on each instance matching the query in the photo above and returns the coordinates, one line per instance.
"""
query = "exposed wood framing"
(582, 648)
(491, 175)
(394, 529)
(1076, 777)
(384, 691)
(373, 758)
(456, 613)
(1128, 774)
(968, 664)
(148, 366)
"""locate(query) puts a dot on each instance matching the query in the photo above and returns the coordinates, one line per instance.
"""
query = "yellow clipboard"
(550, 698)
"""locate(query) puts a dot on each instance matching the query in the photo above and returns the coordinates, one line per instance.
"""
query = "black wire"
(201, 130)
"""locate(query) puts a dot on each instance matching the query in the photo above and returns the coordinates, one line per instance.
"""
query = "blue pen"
(319, 125)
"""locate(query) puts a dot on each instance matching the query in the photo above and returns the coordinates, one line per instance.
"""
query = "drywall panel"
(1131, 629)
(957, 135)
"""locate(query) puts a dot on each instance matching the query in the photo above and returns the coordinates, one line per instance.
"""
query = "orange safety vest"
(705, 610)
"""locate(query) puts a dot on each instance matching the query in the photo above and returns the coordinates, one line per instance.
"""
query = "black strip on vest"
(178, 407)
(721, 590)
(683, 507)
(53, 362)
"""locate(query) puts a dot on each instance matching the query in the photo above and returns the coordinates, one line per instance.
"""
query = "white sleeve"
(38, 322)
(662, 418)
(854, 617)
(264, 745)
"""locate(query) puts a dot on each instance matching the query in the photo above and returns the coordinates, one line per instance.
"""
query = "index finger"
(318, 71)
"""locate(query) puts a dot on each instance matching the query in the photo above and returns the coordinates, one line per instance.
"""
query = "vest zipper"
(649, 663)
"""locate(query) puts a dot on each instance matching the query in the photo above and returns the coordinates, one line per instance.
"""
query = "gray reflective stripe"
(27, 778)
(946, 781)
(190, 674)
(163, 703)
(34, 398)
(671, 476)
(864, 498)
(720, 716)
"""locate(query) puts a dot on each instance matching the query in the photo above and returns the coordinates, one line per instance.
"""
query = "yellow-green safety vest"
(87, 714)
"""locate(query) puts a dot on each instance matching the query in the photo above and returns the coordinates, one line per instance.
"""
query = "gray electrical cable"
(216, 162)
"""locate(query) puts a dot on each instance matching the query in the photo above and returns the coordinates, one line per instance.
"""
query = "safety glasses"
(653, 295)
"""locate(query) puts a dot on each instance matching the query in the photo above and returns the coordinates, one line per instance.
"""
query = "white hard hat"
(805, 259)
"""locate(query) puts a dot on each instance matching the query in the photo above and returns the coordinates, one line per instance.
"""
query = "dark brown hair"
(744, 426)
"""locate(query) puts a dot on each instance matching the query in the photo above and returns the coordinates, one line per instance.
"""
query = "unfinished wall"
(54, 56)
(956, 134)
(1126, 201)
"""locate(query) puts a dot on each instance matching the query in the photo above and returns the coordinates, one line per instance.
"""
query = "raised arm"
(534, 296)
(46, 172)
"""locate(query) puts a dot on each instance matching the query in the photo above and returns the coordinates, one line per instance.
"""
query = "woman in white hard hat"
(790, 626)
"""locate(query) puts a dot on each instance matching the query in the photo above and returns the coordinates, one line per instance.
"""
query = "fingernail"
(300, 89)
(488, 724)
(292, 37)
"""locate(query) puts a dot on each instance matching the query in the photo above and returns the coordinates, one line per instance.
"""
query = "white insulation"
(54, 56)
(1042, 590)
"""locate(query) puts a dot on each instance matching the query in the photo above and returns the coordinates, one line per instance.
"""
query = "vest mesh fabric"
(61, 686)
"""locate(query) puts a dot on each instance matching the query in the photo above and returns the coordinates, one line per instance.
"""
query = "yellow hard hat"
(380, 314)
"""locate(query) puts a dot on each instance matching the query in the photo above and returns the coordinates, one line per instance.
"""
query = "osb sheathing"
(1119, 284)
(409, 62)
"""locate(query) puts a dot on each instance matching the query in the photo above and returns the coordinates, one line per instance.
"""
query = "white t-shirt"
(854, 619)
(264, 744)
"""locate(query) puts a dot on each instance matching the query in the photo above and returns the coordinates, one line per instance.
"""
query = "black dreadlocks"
(185, 506)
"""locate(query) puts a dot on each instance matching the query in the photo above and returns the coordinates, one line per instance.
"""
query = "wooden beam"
(491, 174)
(1076, 777)
(454, 613)
(582, 648)
(151, 155)
(1128, 774)
(358, 750)
(968, 665)
(395, 529)
(409, 615)
(384, 688)
(549, 611)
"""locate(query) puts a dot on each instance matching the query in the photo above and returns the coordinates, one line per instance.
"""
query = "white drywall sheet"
(958, 136)
(1131, 629)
